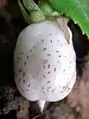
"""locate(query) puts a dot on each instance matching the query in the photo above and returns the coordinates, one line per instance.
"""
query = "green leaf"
(77, 10)
(47, 9)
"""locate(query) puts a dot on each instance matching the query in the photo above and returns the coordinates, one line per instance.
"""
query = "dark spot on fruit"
(58, 41)
(44, 49)
(44, 67)
(23, 73)
(42, 88)
(69, 89)
(64, 70)
(52, 90)
(70, 62)
(48, 65)
(59, 56)
(20, 70)
(33, 76)
(45, 61)
(55, 69)
(25, 63)
(58, 61)
(57, 51)
(42, 40)
(48, 72)
(50, 34)
(27, 57)
(62, 91)
(23, 81)
(44, 76)
(48, 82)
(29, 85)
(48, 54)
(50, 41)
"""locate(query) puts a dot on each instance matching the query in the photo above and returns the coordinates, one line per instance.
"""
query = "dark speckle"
(29, 85)
(48, 72)
(58, 61)
(48, 82)
(64, 70)
(25, 63)
(48, 54)
(44, 76)
(70, 62)
(44, 49)
(48, 65)
(58, 41)
(59, 56)
(27, 57)
(50, 41)
(33, 77)
(55, 69)
(57, 51)
(42, 40)
(45, 61)
(23, 81)
(52, 90)
(23, 73)
(42, 88)
(69, 89)
(50, 34)
(44, 67)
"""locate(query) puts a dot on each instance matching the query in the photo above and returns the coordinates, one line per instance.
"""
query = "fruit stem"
(30, 11)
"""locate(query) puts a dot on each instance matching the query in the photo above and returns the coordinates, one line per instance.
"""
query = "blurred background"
(12, 104)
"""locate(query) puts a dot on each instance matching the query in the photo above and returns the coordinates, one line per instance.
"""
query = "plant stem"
(31, 12)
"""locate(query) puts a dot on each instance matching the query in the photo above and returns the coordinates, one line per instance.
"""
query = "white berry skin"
(44, 62)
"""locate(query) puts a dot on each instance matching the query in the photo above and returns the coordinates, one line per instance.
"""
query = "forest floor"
(12, 104)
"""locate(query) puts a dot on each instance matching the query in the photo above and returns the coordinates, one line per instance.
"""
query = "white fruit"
(45, 63)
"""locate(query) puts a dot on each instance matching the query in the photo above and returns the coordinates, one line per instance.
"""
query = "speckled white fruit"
(45, 63)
